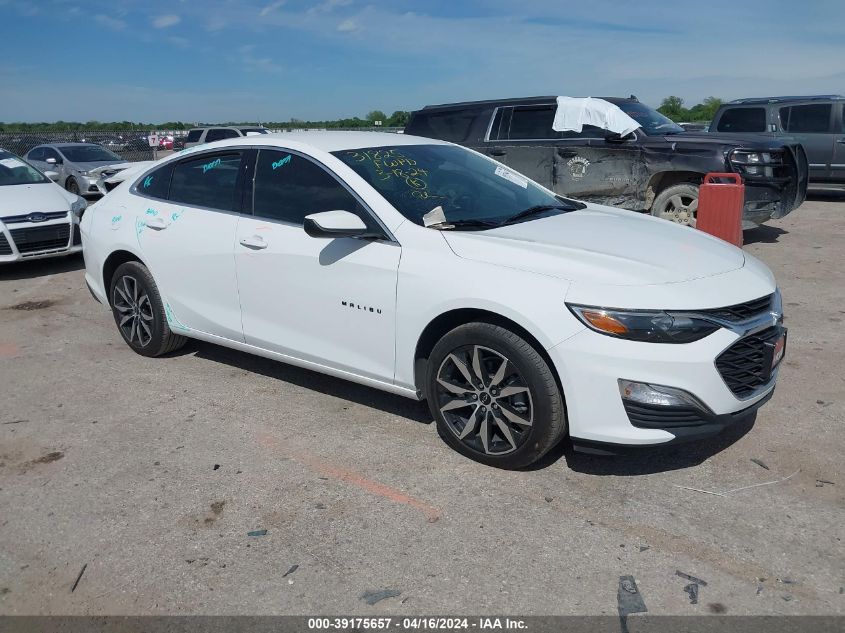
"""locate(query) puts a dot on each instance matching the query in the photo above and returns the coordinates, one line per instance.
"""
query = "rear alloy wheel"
(72, 186)
(678, 203)
(493, 396)
(139, 313)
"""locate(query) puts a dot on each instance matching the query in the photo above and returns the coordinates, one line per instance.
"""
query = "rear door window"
(209, 181)
(810, 118)
(532, 122)
(743, 120)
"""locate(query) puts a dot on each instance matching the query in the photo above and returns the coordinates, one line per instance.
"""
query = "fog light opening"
(658, 395)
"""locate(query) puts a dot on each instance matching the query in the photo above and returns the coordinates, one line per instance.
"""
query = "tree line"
(397, 119)
(673, 107)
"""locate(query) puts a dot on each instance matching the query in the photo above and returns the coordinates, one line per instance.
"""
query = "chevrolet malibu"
(428, 270)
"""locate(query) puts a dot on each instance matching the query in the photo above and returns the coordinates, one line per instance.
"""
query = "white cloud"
(270, 8)
(165, 21)
(348, 26)
(114, 24)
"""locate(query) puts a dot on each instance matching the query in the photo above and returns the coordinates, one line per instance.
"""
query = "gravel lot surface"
(152, 472)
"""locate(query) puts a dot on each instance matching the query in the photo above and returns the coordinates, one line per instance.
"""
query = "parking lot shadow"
(763, 233)
(360, 394)
(647, 461)
(40, 267)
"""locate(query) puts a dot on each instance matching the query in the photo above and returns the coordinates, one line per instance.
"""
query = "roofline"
(784, 99)
(510, 101)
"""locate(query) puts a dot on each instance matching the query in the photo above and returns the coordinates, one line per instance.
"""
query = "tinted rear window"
(743, 120)
(194, 136)
(207, 181)
(220, 133)
(806, 118)
(446, 126)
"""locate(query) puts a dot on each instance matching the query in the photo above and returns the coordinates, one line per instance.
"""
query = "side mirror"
(50, 161)
(334, 224)
(52, 175)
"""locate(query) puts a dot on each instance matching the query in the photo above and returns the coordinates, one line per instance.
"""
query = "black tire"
(151, 335)
(72, 186)
(665, 204)
(527, 372)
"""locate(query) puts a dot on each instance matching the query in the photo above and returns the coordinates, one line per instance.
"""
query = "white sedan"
(428, 270)
(37, 217)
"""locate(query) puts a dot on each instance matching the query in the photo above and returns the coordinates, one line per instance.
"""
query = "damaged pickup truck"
(620, 152)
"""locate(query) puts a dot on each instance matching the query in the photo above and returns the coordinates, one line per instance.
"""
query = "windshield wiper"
(542, 208)
(448, 225)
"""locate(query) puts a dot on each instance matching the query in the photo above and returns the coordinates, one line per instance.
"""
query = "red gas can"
(720, 202)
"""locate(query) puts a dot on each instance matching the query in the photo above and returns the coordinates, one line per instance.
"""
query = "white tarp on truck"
(573, 113)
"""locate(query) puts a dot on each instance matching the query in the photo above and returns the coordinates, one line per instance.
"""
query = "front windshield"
(15, 171)
(88, 154)
(468, 187)
(652, 122)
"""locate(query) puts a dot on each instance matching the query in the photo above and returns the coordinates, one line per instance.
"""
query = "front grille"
(742, 311)
(41, 238)
(17, 219)
(744, 366)
(5, 247)
(656, 417)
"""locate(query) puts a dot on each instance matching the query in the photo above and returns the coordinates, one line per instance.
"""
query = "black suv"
(657, 168)
(818, 123)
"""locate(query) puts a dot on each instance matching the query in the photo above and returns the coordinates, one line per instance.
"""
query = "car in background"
(79, 165)
(165, 142)
(817, 122)
(108, 181)
(658, 167)
(179, 142)
(427, 270)
(37, 217)
(200, 135)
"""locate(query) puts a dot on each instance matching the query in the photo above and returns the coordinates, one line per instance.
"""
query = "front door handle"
(497, 152)
(157, 224)
(255, 242)
(842, 141)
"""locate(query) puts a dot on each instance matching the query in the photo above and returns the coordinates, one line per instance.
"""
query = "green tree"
(398, 119)
(673, 107)
(376, 115)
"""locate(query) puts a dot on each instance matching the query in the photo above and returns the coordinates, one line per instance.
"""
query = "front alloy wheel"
(494, 396)
(135, 310)
(484, 400)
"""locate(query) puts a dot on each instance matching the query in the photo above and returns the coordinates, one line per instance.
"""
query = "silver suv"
(817, 122)
(200, 135)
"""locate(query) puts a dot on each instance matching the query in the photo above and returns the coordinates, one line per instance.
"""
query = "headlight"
(754, 163)
(644, 325)
(78, 206)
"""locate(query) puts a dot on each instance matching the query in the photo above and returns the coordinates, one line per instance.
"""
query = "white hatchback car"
(37, 217)
(428, 270)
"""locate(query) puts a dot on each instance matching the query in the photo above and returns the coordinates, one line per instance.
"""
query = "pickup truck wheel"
(678, 203)
(494, 397)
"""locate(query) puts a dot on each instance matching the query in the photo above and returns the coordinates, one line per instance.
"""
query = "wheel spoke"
(132, 331)
(455, 389)
(469, 427)
(456, 404)
(505, 429)
(692, 207)
(122, 295)
(146, 329)
(462, 368)
(124, 320)
(122, 308)
(512, 390)
(500, 373)
(484, 432)
(676, 201)
(476, 364)
(513, 417)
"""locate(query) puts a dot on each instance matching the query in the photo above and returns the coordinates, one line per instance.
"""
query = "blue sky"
(216, 60)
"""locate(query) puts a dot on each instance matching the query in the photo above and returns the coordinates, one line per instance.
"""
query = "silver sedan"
(79, 165)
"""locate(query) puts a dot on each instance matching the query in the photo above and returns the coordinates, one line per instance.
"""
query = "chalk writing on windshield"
(390, 164)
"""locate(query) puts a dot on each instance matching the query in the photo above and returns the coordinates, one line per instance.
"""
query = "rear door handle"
(497, 152)
(255, 242)
(157, 223)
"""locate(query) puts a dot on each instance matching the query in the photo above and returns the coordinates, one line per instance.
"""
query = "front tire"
(139, 311)
(493, 396)
(72, 186)
(678, 203)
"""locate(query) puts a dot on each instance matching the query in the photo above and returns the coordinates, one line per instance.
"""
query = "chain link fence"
(130, 145)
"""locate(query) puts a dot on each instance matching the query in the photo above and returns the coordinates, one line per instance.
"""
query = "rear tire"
(678, 203)
(494, 397)
(139, 311)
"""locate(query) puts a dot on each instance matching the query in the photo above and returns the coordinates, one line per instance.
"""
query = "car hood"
(38, 198)
(601, 245)
(98, 166)
(749, 141)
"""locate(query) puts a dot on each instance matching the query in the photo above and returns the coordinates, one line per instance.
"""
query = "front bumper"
(773, 198)
(590, 364)
(37, 240)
